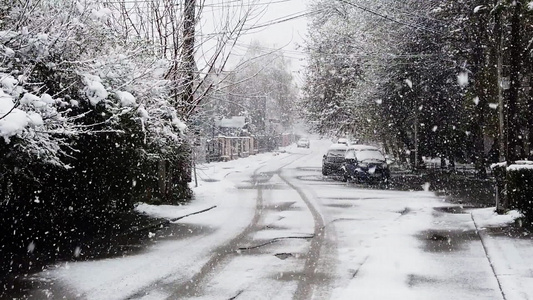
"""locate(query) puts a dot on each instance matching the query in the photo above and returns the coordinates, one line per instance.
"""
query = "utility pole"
(498, 33)
(189, 23)
(189, 66)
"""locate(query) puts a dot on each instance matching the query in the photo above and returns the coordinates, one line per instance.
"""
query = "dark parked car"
(333, 160)
(365, 164)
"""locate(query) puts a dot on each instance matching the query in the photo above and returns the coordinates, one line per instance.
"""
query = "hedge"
(520, 188)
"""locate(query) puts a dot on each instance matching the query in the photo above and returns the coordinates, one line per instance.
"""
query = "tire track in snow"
(193, 286)
(306, 285)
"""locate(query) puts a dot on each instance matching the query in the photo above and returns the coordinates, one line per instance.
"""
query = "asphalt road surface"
(295, 234)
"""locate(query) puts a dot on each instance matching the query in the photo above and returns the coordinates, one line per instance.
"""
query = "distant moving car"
(343, 141)
(365, 163)
(303, 143)
(333, 160)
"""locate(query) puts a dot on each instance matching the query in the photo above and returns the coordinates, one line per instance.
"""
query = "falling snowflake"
(409, 83)
(462, 79)
(77, 252)
(31, 247)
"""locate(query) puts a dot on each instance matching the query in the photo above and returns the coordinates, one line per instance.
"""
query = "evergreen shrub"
(520, 189)
(500, 174)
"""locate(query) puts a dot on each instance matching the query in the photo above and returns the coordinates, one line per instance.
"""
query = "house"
(233, 140)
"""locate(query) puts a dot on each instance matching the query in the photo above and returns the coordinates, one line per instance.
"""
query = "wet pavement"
(351, 236)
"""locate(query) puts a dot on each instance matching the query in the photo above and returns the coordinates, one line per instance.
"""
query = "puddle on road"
(311, 178)
(404, 211)
(416, 280)
(446, 240)
(283, 256)
(341, 205)
(283, 206)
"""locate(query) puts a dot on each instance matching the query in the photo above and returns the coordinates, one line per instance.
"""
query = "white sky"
(272, 29)
(286, 34)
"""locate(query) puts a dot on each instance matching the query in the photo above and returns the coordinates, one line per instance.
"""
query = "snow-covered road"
(281, 231)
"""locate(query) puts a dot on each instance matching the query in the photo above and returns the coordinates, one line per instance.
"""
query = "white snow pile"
(33, 119)
(102, 14)
(521, 165)
(126, 99)
(94, 89)
(496, 165)
(13, 119)
(487, 217)
(163, 211)
(28, 113)
(518, 165)
(179, 124)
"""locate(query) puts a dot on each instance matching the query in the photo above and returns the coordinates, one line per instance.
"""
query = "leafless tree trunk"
(513, 120)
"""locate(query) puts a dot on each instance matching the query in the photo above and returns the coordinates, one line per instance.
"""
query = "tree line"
(446, 79)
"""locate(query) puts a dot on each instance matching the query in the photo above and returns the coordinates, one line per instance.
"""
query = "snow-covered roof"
(233, 122)
(521, 165)
(362, 147)
(338, 147)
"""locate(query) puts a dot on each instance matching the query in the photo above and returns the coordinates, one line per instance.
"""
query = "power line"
(385, 16)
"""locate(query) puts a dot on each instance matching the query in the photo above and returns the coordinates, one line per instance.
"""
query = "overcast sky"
(288, 33)
(278, 24)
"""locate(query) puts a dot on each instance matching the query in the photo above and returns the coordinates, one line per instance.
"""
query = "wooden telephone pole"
(189, 23)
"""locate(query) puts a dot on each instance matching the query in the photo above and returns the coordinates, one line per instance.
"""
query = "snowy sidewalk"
(511, 255)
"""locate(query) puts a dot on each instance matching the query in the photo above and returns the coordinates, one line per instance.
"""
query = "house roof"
(233, 122)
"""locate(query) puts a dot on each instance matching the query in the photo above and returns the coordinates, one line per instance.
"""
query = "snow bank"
(162, 211)
(521, 165)
(487, 217)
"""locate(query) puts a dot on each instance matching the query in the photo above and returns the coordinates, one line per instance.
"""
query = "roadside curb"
(483, 238)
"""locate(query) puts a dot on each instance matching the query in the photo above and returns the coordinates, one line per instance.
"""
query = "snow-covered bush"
(82, 103)
(520, 188)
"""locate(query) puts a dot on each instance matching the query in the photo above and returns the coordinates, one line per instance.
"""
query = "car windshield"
(369, 154)
(336, 153)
